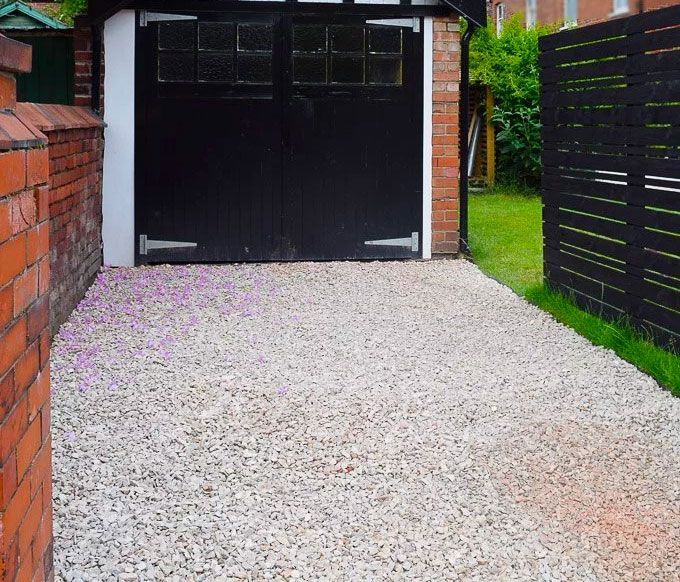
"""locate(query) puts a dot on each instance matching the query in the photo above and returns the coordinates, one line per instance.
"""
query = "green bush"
(509, 65)
(519, 144)
(70, 8)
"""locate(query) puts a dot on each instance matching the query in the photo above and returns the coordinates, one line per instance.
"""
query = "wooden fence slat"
(640, 23)
(610, 81)
(632, 215)
(621, 115)
(631, 44)
(649, 151)
(615, 192)
(644, 261)
(621, 135)
(622, 163)
(630, 234)
(651, 285)
(609, 302)
(667, 61)
(635, 95)
(632, 285)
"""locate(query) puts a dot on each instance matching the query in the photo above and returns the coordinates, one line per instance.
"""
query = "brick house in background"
(570, 11)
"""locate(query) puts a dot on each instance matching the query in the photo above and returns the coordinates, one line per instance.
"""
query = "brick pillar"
(82, 47)
(445, 154)
(25, 446)
(84, 54)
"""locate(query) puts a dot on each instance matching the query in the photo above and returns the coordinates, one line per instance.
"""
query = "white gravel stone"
(356, 421)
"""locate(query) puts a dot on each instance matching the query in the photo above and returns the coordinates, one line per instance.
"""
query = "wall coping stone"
(15, 134)
(15, 56)
(50, 117)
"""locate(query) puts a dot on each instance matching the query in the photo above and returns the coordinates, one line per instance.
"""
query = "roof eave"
(473, 10)
(100, 10)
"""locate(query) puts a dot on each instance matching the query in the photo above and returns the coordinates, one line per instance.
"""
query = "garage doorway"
(278, 137)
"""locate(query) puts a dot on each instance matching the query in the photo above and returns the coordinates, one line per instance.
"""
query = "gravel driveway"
(351, 421)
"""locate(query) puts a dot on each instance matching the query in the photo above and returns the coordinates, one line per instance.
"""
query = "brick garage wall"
(25, 445)
(84, 55)
(76, 148)
(445, 137)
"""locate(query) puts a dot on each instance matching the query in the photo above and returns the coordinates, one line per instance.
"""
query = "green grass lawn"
(506, 243)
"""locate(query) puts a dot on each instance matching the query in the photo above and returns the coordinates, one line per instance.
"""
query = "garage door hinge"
(413, 23)
(145, 17)
(407, 242)
(147, 244)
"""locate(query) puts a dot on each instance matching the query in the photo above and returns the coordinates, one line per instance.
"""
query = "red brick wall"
(653, 4)
(83, 53)
(50, 225)
(76, 148)
(25, 446)
(548, 11)
(445, 128)
(552, 11)
(76, 158)
(590, 11)
(512, 7)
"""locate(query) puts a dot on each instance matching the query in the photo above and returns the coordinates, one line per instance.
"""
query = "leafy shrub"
(519, 141)
(509, 65)
(70, 8)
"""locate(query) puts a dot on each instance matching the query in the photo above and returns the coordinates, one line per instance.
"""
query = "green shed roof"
(18, 15)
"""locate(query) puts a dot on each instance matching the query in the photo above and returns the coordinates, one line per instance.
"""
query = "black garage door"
(278, 137)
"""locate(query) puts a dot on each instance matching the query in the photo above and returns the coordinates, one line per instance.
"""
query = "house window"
(570, 12)
(621, 6)
(500, 17)
(532, 13)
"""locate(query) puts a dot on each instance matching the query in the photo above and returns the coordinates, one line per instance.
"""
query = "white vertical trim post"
(118, 229)
(427, 138)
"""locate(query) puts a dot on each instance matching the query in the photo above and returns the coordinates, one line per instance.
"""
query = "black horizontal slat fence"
(610, 109)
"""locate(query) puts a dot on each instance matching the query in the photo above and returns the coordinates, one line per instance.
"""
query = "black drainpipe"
(464, 131)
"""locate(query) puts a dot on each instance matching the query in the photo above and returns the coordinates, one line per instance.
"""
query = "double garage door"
(278, 137)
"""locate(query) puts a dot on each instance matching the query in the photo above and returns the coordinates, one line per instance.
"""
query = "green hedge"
(70, 8)
(508, 63)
